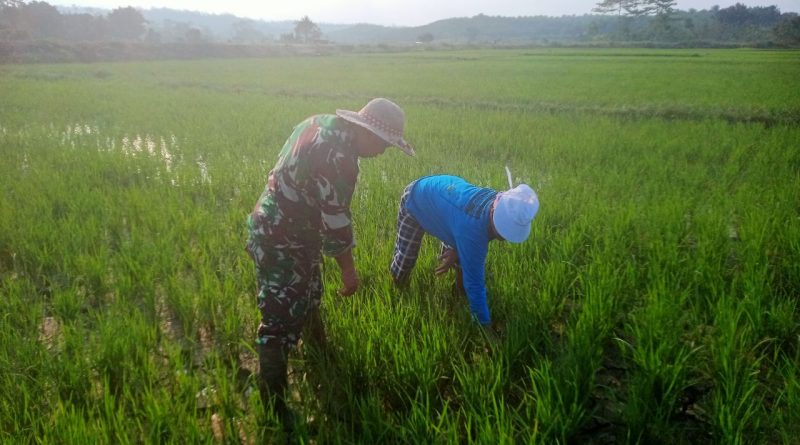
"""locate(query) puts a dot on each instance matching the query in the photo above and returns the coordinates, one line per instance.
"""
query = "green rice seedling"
(496, 426)
(24, 381)
(737, 404)
(70, 424)
(478, 382)
(70, 373)
(781, 324)
(553, 409)
(654, 298)
(158, 420)
(661, 366)
(786, 404)
(121, 352)
(428, 424)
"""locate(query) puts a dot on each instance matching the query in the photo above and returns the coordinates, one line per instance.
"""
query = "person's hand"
(350, 281)
(447, 260)
(458, 286)
(349, 274)
(491, 336)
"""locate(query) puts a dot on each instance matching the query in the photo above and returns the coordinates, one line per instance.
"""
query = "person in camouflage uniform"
(304, 212)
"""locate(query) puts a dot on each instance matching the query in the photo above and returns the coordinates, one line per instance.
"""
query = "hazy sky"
(397, 12)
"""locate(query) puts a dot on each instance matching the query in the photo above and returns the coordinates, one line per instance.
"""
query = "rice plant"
(655, 301)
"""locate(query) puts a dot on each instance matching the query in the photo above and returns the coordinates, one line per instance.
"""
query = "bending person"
(465, 218)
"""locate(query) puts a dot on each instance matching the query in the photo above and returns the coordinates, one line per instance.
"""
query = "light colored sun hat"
(513, 213)
(384, 118)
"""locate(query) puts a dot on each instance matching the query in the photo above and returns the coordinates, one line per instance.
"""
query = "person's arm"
(473, 270)
(490, 335)
(472, 257)
(336, 181)
(349, 275)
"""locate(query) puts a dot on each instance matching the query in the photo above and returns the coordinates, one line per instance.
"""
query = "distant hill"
(217, 27)
(477, 29)
(693, 28)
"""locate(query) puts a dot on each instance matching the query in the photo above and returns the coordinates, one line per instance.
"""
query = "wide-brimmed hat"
(513, 213)
(384, 118)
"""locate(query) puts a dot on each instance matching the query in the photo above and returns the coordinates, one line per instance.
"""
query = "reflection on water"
(203, 170)
(81, 129)
(164, 148)
(166, 154)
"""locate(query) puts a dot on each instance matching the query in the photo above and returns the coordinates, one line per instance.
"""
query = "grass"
(655, 300)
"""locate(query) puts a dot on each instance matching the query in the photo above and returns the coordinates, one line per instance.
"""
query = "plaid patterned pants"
(408, 241)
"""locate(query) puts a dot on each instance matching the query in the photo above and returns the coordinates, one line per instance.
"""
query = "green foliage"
(306, 30)
(788, 31)
(655, 298)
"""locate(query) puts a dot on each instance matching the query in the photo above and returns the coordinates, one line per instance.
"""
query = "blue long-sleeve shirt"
(457, 212)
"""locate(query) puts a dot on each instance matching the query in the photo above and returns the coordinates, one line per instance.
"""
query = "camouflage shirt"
(306, 203)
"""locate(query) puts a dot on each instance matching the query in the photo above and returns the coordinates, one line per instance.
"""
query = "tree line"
(659, 20)
(38, 20)
(613, 22)
(42, 21)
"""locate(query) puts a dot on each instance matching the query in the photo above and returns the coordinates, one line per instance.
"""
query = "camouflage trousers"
(289, 289)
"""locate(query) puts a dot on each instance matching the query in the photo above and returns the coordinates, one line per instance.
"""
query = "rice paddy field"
(656, 300)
